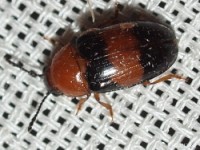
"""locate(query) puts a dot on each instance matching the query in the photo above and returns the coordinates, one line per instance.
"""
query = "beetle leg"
(117, 9)
(106, 105)
(114, 19)
(91, 11)
(167, 77)
(80, 104)
(54, 41)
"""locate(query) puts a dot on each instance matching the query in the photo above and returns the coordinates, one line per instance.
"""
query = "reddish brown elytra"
(110, 58)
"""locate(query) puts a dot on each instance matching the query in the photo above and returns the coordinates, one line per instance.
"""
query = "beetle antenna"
(20, 66)
(91, 11)
(36, 114)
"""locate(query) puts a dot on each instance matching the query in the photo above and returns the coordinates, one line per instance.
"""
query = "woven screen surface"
(161, 116)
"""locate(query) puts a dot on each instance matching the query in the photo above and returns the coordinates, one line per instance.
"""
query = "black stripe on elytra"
(92, 47)
(157, 47)
(97, 80)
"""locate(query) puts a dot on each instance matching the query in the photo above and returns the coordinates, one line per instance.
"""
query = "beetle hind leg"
(54, 41)
(117, 9)
(106, 105)
(164, 78)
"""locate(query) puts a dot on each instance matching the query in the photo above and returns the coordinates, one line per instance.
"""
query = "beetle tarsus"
(165, 78)
(106, 105)
(80, 104)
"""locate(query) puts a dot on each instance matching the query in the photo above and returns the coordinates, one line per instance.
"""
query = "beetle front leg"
(106, 105)
(164, 78)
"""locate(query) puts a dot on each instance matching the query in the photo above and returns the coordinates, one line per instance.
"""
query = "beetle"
(110, 58)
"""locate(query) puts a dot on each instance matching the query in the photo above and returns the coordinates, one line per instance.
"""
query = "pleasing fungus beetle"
(110, 58)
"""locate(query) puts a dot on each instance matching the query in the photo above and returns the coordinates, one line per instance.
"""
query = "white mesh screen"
(161, 116)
